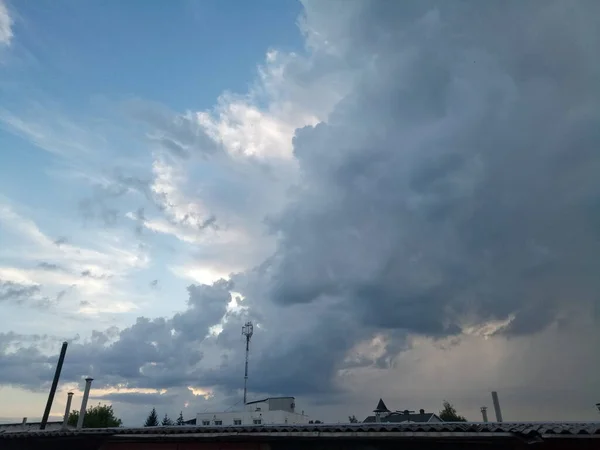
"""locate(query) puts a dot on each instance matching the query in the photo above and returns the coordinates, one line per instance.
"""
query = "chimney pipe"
(497, 406)
(24, 421)
(86, 394)
(484, 413)
(67, 409)
(422, 411)
(61, 359)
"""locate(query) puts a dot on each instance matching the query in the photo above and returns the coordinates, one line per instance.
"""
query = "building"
(268, 411)
(384, 415)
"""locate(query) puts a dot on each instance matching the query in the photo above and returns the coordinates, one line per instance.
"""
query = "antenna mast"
(247, 330)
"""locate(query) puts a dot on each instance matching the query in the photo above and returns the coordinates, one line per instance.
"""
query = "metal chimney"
(484, 413)
(86, 394)
(497, 406)
(67, 409)
(24, 421)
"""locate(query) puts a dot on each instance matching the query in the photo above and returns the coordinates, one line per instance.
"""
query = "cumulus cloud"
(453, 187)
(153, 353)
(456, 183)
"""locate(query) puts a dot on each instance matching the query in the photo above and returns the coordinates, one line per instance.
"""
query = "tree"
(152, 419)
(352, 419)
(100, 416)
(166, 422)
(180, 420)
(449, 414)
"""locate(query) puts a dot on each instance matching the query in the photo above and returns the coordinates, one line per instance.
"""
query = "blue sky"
(376, 176)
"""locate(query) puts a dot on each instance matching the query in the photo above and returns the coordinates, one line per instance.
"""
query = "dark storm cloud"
(458, 180)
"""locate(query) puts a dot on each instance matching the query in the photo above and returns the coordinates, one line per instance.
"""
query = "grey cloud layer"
(455, 185)
(458, 180)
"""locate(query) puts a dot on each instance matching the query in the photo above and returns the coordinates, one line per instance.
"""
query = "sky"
(402, 196)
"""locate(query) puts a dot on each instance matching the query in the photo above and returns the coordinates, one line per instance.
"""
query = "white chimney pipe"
(67, 409)
(484, 413)
(497, 406)
(86, 394)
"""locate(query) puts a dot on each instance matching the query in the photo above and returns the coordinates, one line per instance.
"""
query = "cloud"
(158, 354)
(6, 23)
(178, 134)
(17, 292)
(50, 266)
(68, 273)
(426, 198)
(60, 241)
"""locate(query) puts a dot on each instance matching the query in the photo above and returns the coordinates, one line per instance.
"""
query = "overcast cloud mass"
(407, 208)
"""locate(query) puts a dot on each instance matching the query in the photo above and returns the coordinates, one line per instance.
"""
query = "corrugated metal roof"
(447, 429)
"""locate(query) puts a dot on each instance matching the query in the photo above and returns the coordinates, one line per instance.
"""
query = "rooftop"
(267, 399)
(532, 430)
(399, 417)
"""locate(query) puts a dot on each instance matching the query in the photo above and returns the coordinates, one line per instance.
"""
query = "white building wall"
(257, 406)
(265, 417)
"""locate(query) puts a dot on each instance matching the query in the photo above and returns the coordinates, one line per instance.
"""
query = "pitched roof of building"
(399, 417)
(381, 407)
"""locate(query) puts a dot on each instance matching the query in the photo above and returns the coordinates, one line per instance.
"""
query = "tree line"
(152, 420)
(103, 416)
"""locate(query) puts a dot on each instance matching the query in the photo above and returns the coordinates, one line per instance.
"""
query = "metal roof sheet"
(371, 430)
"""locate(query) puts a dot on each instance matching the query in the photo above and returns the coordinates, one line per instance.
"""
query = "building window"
(257, 421)
(237, 421)
(218, 422)
(206, 422)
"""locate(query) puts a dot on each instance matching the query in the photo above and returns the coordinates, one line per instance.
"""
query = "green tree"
(166, 422)
(352, 419)
(100, 416)
(449, 414)
(152, 419)
(180, 420)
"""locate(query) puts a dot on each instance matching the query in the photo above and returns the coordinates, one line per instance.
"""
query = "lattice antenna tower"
(247, 331)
